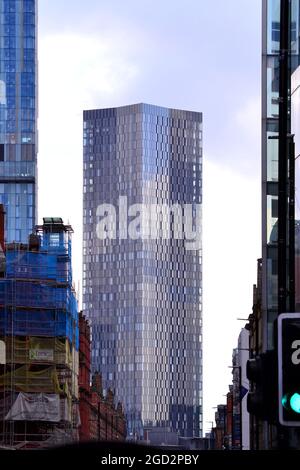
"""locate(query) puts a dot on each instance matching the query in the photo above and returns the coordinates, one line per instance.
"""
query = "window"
(54, 239)
(1, 152)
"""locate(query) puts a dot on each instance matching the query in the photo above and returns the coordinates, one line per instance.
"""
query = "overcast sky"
(195, 54)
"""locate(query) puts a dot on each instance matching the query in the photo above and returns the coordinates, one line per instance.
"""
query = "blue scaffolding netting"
(36, 295)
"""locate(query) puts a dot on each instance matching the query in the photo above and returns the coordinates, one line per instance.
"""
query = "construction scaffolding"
(39, 326)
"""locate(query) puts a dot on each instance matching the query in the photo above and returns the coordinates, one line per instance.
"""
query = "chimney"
(110, 397)
(97, 383)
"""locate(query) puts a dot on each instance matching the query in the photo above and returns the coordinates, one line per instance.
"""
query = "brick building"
(220, 428)
(100, 418)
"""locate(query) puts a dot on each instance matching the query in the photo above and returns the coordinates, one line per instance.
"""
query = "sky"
(194, 54)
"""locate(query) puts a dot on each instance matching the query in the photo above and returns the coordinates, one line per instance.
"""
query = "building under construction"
(39, 326)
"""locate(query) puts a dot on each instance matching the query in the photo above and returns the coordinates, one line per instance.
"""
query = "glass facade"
(295, 120)
(18, 116)
(144, 295)
(270, 132)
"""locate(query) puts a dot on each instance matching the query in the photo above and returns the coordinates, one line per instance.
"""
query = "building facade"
(142, 287)
(241, 418)
(229, 431)
(295, 128)
(84, 382)
(255, 326)
(39, 326)
(280, 27)
(220, 430)
(270, 150)
(100, 419)
(18, 116)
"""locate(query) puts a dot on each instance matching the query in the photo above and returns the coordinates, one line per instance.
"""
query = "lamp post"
(212, 436)
(212, 424)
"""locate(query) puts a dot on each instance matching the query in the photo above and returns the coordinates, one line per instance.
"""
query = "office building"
(276, 291)
(295, 129)
(270, 150)
(142, 275)
(18, 116)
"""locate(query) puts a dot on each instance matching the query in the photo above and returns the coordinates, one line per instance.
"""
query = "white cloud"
(78, 68)
(75, 73)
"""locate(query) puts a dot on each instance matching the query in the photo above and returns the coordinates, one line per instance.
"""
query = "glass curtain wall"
(270, 130)
(144, 295)
(18, 115)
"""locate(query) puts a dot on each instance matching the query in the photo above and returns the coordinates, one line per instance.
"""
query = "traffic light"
(263, 398)
(289, 369)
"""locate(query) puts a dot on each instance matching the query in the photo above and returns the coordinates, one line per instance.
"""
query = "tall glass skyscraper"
(143, 292)
(280, 57)
(270, 150)
(18, 116)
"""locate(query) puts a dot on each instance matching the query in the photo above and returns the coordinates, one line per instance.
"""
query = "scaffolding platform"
(39, 325)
